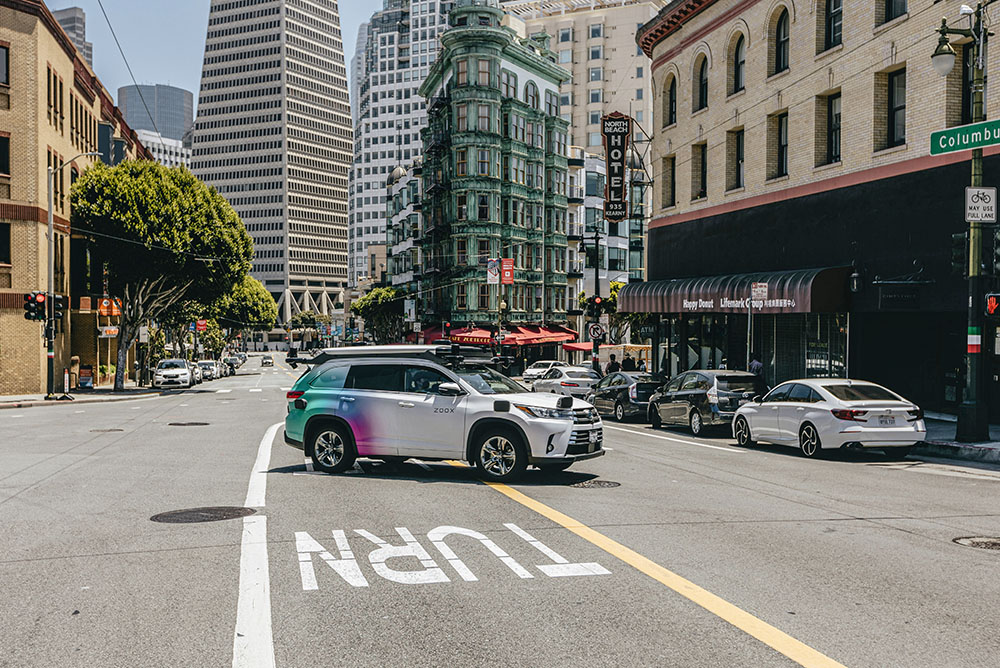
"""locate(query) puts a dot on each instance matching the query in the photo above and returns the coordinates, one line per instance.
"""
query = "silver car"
(173, 373)
(539, 368)
(573, 381)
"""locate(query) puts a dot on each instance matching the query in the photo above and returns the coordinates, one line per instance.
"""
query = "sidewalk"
(941, 442)
(100, 394)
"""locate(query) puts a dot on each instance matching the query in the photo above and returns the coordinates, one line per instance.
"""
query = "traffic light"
(57, 306)
(594, 307)
(959, 253)
(993, 304)
(446, 329)
(34, 306)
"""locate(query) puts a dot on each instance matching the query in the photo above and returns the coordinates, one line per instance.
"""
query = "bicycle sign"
(980, 205)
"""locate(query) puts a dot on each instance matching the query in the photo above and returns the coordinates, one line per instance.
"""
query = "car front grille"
(585, 416)
(579, 442)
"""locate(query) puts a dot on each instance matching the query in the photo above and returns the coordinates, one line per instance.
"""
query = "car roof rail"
(447, 354)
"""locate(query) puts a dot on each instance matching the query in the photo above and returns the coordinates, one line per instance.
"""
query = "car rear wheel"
(654, 417)
(742, 431)
(619, 411)
(694, 421)
(500, 455)
(809, 443)
(331, 449)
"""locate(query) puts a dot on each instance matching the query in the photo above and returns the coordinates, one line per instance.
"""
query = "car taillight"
(915, 413)
(565, 384)
(713, 394)
(294, 394)
(632, 392)
(848, 414)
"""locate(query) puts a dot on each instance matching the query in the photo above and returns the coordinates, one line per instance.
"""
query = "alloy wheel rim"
(695, 422)
(808, 441)
(741, 432)
(329, 448)
(498, 456)
(619, 412)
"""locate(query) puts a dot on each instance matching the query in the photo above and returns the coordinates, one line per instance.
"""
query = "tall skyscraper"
(358, 69)
(274, 135)
(74, 21)
(391, 64)
(172, 109)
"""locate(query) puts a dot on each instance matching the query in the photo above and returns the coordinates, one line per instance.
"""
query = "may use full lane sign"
(617, 130)
(980, 205)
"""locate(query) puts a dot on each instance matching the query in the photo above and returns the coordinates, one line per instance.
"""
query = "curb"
(33, 403)
(975, 453)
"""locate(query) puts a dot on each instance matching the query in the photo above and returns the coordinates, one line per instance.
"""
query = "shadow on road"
(440, 472)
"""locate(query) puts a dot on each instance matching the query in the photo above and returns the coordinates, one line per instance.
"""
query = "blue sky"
(164, 40)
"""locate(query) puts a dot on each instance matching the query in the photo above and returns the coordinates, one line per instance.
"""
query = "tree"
(177, 318)
(247, 307)
(213, 338)
(308, 319)
(382, 311)
(165, 236)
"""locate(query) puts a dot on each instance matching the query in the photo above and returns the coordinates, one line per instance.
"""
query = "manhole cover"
(193, 515)
(596, 483)
(187, 424)
(984, 542)
(105, 431)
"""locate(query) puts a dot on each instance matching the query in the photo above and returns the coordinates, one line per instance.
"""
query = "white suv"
(433, 403)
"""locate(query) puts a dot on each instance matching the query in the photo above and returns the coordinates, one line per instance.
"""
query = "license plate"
(884, 421)
(594, 435)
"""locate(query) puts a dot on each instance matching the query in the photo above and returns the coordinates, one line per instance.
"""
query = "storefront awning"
(821, 290)
(523, 335)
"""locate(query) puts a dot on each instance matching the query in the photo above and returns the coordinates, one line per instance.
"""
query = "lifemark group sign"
(965, 137)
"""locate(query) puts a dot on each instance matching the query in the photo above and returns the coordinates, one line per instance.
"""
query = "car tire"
(554, 467)
(331, 448)
(898, 453)
(742, 431)
(809, 443)
(654, 417)
(619, 412)
(695, 423)
(500, 455)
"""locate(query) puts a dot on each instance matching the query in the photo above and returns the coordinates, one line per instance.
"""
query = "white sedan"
(572, 381)
(828, 413)
(539, 369)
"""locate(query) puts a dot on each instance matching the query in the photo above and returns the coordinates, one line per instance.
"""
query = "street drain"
(596, 483)
(194, 515)
(187, 424)
(983, 542)
(105, 431)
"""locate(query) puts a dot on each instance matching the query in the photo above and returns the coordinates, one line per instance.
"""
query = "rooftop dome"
(396, 174)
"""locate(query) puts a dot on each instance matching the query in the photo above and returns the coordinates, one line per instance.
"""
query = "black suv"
(703, 397)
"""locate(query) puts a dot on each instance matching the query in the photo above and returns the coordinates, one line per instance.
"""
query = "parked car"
(703, 398)
(267, 360)
(572, 381)
(208, 369)
(224, 369)
(828, 413)
(173, 373)
(233, 363)
(199, 377)
(539, 368)
(243, 357)
(625, 394)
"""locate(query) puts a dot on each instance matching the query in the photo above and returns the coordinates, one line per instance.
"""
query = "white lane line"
(16, 416)
(285, 389)
(607, 448)
(256, 389)
(78, 412)
(182, 405)
(222, 391)
(675, 440)
(135, 408)
(257, 488)
(253, 644)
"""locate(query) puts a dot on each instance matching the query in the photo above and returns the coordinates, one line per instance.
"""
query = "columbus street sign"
(965, 137)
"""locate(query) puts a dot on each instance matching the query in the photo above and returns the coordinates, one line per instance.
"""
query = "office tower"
(165, 109)
(74, 21)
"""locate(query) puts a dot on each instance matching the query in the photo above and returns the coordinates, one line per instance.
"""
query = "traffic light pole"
(50, 321)
(595, 359)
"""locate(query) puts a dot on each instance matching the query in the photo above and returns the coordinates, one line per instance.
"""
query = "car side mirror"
(449, 390)
(757, 399)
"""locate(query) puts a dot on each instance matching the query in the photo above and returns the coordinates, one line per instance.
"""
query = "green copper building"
(494, 175)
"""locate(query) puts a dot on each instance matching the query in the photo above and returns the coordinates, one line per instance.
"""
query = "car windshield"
(171, 364)
(861, 393)
(207, 365)
(583, 373)
(740, 384)
(487, 381)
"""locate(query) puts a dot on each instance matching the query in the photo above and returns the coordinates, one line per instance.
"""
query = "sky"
(164, 40)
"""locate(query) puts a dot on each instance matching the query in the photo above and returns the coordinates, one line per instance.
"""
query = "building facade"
(74, 21)
(494, 180)
(358, 71)
(274, 136)
(791, 151)
(52, 108)
(169, 152)
(167, 110)
(401, 43)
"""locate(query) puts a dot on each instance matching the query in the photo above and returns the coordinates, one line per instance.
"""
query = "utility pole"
(595, 360)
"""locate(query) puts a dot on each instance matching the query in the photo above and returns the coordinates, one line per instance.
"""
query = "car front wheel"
(654, 417)
(619, 411)
(500, 455)
(742, 431)
(809, 441)
(331, 449)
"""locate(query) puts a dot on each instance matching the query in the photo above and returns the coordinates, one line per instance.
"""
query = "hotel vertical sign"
(617, 131)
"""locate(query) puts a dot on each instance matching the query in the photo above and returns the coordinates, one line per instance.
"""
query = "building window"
(896, 130)
(484, 162)
(462, 251)
(566, 35)
(595, 74)
(699, 171)
(461, 297)
(566, 56)
(834, 22)
(594, 139)
(734, 159)
(462, 206)
(595, 95)
(701, 84)
(531, 95)
(781, 145)
(484, 118)
(484, 297)
(833, 128)
(5, 155)
(638, 93)
(461, 162)
(462, 73)
(638, 73)
(596, 53)
(483, 208)
(739, 65)
(509, 81)
(781, 39)
(461, 118)
(595, 118)
(596, 30)
(670, 103)
(4, 66)
(894, 9)
(484, 73)
(669, 180)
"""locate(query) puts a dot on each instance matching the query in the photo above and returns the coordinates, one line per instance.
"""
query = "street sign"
(964, 137)
(758, 292)
(191, 327)
(144, 334)
(616, 129)
(417, 326)
(201, 325)
(595, 330)
(107, 332)
(507, 271)
(993, 304)
(980, 205)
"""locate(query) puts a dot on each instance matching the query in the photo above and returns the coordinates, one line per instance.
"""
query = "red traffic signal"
(40, 297)
(597, 300)
(993, 304)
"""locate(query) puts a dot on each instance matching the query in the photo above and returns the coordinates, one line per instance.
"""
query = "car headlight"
(547, 413)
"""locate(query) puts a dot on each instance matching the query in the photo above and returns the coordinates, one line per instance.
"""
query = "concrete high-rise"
(274, 135)
(74, 21)
(390, 65)
(358, 69)
(165, 109)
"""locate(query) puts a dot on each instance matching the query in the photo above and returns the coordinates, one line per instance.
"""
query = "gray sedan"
(569, 380)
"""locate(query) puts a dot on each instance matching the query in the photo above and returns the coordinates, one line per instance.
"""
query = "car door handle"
(347, 399)
(406, 404)
(800, 408)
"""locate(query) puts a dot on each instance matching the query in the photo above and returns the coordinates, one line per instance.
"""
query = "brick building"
(52, 107)
(791, 149)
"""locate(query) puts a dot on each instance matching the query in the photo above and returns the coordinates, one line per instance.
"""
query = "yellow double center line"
(772, 637)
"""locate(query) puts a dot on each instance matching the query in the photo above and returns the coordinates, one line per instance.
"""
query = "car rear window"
(583, 374)
(740, 384)
(385, 377)
(861, 393)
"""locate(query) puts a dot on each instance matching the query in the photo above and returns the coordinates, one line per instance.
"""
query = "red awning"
(471, 336)
(520, 335)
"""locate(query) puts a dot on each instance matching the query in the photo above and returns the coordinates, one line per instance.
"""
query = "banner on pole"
(507, 271)
(493, 271)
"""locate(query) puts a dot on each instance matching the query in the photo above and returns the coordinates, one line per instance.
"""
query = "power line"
(128, 67)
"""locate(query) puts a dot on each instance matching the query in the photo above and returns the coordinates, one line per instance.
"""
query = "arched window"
(670, 101)
(834, 23)
(701, 85)
(781, 42)
(531, 95)
(739, 64)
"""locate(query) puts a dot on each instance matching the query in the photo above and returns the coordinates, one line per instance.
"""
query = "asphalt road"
(704, 554)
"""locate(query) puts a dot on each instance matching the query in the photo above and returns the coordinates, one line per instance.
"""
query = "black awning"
(801, 291)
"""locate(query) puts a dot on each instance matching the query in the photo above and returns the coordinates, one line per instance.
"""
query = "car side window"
(423, 380)
(331, 379)
(800, 393)
(553, 373)
(815, 397)
(779, 393)
(380, 377)
(675, 384)
(692, 382)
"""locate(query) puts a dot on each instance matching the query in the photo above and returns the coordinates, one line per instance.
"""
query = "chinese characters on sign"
(617, 131)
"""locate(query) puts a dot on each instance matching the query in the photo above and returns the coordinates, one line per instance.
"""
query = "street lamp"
(50, 321)
(972, 416)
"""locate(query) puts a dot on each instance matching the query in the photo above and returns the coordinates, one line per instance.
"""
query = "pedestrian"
(724, 364)
(642, 364)
(628, 364)
(756, 367)
(613, 366)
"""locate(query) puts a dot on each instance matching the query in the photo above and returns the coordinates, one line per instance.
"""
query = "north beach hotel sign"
(617, 130)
